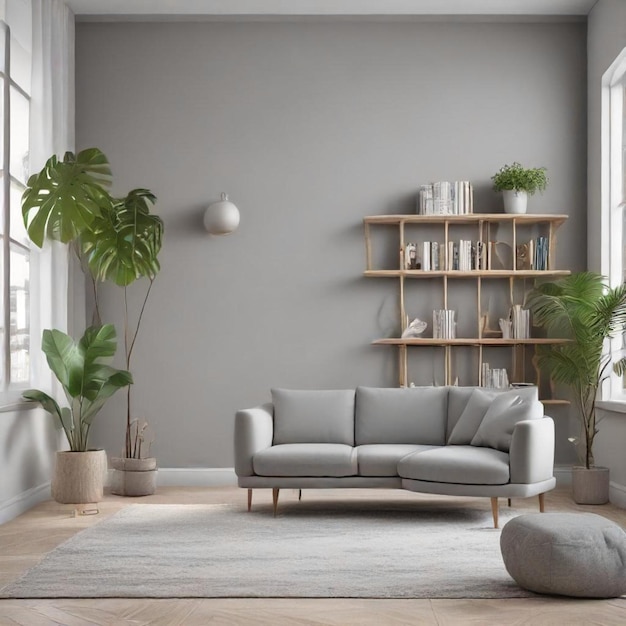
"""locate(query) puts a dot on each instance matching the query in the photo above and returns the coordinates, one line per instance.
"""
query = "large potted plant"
(582, 308)
(116, 240)
(517, 183)
(82, 368)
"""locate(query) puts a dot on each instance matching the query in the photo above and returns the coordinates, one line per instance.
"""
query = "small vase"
(515, 201)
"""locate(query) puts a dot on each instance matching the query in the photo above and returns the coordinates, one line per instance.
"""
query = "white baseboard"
(23, 502)
(617, 494)
(195, 477)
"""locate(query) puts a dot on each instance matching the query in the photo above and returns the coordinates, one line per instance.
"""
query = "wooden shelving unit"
(481, 228)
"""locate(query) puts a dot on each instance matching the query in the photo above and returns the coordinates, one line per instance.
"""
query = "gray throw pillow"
(496, 429)
(471, 418)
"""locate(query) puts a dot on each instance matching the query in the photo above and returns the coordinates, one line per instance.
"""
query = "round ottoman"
(569, 554)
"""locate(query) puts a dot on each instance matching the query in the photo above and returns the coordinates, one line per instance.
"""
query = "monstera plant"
(82, 368)
(116, 239)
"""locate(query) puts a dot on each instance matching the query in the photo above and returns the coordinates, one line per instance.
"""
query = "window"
(15, 256)
(614, 191)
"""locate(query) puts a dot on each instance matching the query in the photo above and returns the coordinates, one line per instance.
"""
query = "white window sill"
(614, 406)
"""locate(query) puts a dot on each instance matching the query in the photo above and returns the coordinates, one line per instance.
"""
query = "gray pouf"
(568, 554)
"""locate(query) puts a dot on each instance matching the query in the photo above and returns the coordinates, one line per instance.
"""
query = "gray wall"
(606, 39)
(309, 126)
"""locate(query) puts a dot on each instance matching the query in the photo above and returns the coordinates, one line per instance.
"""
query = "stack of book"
(540, 256)
(495, 378)
(521, 322)
(444, 324)
(446, 198)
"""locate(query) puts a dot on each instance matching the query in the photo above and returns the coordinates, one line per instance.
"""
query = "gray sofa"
(458, 441)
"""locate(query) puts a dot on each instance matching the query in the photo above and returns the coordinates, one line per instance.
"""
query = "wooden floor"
(25, 540)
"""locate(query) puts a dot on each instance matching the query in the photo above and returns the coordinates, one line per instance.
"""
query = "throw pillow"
(496, 429)
(471, 418)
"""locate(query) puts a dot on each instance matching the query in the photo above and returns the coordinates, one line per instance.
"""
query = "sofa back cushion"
(416, 415)
(315, 416)
(459, 397)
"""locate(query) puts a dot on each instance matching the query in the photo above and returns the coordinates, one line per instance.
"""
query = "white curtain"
(59, 295)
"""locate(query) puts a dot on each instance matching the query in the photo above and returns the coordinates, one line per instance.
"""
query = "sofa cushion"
(313, 416)
(496, 429)
(471, 417)
(458, 398)
(306, 459)
(464, 465)
(381, 459)
(416, 415)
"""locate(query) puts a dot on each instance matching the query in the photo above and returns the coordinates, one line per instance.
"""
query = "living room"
(311, 118)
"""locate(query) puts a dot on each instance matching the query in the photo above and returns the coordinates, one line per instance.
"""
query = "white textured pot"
(515, 201)
(590, 486)
(134, 477)
(79, 477)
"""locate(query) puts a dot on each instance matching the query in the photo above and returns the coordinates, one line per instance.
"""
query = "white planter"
(515, 201)
(590, 486)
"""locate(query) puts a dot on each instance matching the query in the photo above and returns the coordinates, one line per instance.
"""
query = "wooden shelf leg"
(494, 511)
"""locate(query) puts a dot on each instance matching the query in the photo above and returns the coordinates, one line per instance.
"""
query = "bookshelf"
(528, 241)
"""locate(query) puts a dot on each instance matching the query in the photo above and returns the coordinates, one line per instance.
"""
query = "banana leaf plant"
(87, 379)
(116, 239)
(582, 308)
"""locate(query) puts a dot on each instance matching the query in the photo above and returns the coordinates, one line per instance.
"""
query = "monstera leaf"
(122, 244)
(64, 198)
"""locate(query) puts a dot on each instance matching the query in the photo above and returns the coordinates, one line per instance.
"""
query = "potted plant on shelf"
(116, 240)
(582, 308)
(516, 183)
(88, 381)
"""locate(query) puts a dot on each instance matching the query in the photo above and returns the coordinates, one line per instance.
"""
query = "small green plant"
(88, 380)
(518, 178)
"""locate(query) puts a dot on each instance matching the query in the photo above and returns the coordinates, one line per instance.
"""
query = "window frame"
(613, 192)
(10, 391)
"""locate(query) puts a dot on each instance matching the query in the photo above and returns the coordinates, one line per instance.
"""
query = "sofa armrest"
(531, 455)
(254, 430)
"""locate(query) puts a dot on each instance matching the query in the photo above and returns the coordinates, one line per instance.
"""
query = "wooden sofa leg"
(509, 502)
(249, 500)
(494, 511)
(299, 495)
(542, 502)
(275, 499)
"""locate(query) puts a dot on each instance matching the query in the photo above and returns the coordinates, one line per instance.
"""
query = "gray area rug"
(314, 550)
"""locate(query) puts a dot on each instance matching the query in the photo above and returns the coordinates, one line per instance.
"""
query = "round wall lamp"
(222, 217)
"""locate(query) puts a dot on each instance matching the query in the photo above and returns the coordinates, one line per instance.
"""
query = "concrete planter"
(133, 477)
(79, 477)
(590, 486)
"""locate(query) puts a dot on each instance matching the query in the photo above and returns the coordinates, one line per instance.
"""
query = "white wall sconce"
(222, 217)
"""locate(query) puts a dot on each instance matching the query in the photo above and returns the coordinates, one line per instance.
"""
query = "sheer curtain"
(59, 298)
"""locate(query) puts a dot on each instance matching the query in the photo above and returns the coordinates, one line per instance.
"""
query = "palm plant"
(86, 377)
(582, 308)
(115, 239)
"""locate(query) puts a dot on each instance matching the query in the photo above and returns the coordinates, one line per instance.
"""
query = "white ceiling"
(163, 9)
